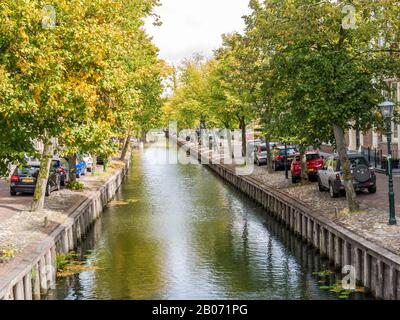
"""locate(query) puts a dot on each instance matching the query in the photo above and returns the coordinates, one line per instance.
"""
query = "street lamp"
(387, 108)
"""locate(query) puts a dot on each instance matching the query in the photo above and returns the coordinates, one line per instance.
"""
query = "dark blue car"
(23, 180)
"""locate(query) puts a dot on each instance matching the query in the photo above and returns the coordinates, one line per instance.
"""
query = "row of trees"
(78, 73)
(305, 70)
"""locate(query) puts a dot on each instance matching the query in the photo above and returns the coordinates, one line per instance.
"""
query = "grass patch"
(7, 253)
(77, 186)
(98, 174)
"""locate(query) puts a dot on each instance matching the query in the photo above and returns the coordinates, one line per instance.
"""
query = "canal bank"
(33, 271)
(376, 268)
(177, 231)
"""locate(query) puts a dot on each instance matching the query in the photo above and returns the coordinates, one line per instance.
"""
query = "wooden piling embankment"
(36, 273)
(377, 269)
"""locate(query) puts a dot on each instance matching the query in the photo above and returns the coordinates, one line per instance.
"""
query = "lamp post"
(387, 108)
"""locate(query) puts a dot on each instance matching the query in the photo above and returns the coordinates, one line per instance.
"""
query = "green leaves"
(92, 77)
(318, 73)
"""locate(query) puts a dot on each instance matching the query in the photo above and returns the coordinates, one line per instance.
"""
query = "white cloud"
(195, 26)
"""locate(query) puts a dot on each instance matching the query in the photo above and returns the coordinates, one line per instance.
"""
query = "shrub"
(77, 185)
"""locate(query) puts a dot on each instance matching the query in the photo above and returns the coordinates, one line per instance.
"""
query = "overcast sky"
(195, 26)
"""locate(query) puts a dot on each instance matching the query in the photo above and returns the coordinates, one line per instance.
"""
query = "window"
(334, 164)
(357, 161)
(312, 156)
(64, 163)
(327, 163)
(354, 162)
(27, 171)
(290, 152)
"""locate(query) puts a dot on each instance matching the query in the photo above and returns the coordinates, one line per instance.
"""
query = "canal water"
(180, 232)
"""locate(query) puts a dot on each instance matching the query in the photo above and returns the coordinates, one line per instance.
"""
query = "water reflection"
(179, 232)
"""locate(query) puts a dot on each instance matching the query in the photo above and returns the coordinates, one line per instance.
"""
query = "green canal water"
(180, 232)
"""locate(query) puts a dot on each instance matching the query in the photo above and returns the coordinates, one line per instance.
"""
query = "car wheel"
(372, 190)
(332, 191)
(320, 186)
(13, 192)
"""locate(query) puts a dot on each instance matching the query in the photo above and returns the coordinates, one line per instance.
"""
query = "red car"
(314, 162)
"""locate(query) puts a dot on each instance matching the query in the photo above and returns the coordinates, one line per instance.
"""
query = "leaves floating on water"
(325, 287)
(70, 264)
(115, 203)
(336, 287)
(323, 273)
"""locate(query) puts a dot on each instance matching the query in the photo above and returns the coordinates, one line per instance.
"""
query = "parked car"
(89, 162)
(330, 176)
(278, 157)
(260, 153)
(23, 180)
(314, 162)
(80, 166)
(252, 146)
(62, 165)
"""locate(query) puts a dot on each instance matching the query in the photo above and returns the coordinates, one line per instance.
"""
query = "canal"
(180, 232)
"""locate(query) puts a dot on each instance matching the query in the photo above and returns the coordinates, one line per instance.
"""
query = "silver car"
(260, 153)
(330, 176)
(251, 146)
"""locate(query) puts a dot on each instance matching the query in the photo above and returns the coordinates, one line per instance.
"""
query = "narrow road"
(10, 205)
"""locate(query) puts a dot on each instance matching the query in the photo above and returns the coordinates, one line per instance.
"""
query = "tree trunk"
(303, 163)
(269, 158)
(94, 166)
(345, 165)
(125, 148)
(230, 149)
(143, 136)
(43, 177)
(72, 168)
(243, 127)
(203, 124)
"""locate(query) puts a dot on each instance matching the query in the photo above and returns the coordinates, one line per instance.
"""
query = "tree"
(71, 81)
(324, 73)
(190, 99)
(234, 61)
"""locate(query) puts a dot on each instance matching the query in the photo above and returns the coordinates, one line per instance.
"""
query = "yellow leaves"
(97, 68)
(22, 65)
(40, 61)
(37, 91)
(23, 36)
